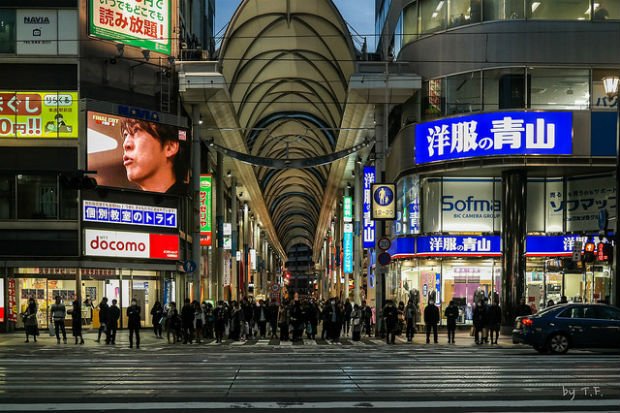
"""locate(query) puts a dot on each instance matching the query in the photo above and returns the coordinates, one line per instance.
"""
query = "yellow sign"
(38, 114)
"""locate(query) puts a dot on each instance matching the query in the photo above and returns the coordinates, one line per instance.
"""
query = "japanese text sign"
(38, 114)
(481, 246)
(205, 210)
(347, 249)
(347, 209)
(492, 134)
(114, 213)
(139, 23)
(368, 225)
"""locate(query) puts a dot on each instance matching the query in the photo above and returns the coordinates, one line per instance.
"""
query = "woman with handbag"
(30, 320)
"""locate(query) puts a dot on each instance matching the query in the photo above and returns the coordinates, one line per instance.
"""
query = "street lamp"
(610, 83)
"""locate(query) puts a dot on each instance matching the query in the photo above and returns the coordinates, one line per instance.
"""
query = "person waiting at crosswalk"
(431, 319)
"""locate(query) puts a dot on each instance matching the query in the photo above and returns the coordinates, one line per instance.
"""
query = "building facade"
(81, 81)
(504, 162)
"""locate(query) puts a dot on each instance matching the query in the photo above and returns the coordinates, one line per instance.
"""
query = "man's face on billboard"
(148, 162)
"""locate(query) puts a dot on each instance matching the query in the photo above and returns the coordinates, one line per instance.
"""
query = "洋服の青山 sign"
(38, 114)
(131, 245)
(139, 23)
(493, 134)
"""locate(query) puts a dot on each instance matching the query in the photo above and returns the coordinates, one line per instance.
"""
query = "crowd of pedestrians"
(290, 320)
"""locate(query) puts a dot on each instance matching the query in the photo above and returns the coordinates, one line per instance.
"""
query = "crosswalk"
(267, 375)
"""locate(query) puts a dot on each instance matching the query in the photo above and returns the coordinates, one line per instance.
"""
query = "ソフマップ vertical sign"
(206, 234)
(139, 23)
(383, 202)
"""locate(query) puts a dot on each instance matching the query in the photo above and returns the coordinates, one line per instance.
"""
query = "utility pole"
(196, 250)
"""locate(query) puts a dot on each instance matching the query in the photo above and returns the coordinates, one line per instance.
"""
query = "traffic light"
(589, 249)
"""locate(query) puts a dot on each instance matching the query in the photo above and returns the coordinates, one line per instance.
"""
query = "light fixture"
(348, 185)
(200, 121)
(229, 173)
(352, 174)
(535, 5)
(120, 49)
(147, 54)
(610, 84)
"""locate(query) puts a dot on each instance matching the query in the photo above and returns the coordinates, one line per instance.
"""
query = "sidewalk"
(148, 339)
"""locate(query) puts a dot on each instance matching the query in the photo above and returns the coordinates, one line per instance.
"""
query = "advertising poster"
(131, 245)
(12, 304)
(206, 209)
(38, 114)
(139, 23)
(137, 154)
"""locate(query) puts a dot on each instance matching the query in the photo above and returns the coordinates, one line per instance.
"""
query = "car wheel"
(541, 349)
(558, 343)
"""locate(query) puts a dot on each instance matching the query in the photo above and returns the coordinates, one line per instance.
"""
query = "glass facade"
(429, 16)
(463, 280)
(36, 197)
(7, 30)
(544, 88)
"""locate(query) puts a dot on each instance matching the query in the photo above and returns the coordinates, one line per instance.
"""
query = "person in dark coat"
(273, 319)
(30, 320)
(173, 323)
(236, 320)
(451, 314)
(247, 307)
(133, 322)
(346, 319)
(334, 315)
(104, 319)
(390, 314)
(431, 319)
(187, 322)
(209, 319)
(325, 318)
(410, 315)
(261, 315)
(366, 317)
(115, 315)
(495, 321)
(479, 319)
(76, 321)
(157, 313)
(219, 321)
(296, 319)
(312, 318)
(523, 309)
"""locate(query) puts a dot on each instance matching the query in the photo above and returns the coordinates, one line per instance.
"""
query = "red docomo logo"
(104, 245)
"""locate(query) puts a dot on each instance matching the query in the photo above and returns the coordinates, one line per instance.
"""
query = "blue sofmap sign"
(557, 245)
(115, 213)
(368, 225)
(493, 134)
(470, 245)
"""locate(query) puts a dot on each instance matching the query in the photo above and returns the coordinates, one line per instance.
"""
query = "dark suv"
(564, 326)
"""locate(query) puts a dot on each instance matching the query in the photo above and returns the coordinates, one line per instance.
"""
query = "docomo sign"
(131, 245)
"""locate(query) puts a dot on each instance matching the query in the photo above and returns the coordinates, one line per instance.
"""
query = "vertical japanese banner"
(368, 225)
(12, 304)
(205, 210)
(347, 247)
(139, 23)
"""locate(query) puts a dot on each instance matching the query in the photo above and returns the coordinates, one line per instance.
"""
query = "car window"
(607, 313)
(573, 312)
(589, 312)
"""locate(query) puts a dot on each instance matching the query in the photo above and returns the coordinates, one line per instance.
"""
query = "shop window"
(504, 89)
(7, 31)
(463, 93)
(433, 99)
(600, 100)
(464, 12)
(605, 10)
(558, 9)
(433, 15)
(565, 89)
(68, 203)
(503, 10)
(7, 197)
(37, 197)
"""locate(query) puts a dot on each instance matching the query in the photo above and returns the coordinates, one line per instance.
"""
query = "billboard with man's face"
(137, 154)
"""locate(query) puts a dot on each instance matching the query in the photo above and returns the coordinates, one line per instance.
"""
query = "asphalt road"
(264, 376)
